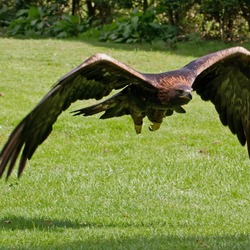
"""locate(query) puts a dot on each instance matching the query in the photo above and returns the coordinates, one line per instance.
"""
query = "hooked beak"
(187, 94)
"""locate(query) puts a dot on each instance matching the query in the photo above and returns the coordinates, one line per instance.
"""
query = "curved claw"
(155, 126)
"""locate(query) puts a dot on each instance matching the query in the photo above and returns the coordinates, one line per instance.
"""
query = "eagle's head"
(183, 93)
(176, 95)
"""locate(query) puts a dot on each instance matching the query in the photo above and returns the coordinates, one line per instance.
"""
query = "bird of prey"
(222, 77)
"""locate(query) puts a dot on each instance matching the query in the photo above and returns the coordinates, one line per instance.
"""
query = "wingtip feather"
(21, 165)
(11, 150)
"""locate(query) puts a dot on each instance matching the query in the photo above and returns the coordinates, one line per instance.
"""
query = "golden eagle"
(222, 77)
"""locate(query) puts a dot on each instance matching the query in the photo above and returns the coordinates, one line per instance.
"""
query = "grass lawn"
(97, 185)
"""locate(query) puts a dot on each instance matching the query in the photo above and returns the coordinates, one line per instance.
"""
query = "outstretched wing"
(94, 78)
(224, 79)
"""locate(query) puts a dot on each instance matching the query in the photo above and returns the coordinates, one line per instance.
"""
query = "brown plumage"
(222, 77)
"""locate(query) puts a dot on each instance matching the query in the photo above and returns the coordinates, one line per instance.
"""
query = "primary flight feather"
(222, 77)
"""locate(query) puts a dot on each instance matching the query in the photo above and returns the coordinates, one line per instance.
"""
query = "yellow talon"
(138, 128)
(155, 126)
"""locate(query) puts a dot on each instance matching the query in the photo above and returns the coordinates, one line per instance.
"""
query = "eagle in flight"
(222, 77)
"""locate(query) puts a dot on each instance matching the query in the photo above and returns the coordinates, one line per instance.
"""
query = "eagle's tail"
(116, 105)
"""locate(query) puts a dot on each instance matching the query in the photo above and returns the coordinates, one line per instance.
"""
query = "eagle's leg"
(137, 122)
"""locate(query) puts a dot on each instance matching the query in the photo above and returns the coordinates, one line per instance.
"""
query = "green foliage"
(32, 21)
(40, 21)
(68, 26)
(5, 16)
(221, 18)
(138, 27)
(167, 20)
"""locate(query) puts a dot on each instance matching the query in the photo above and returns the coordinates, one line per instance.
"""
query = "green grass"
(97, 185)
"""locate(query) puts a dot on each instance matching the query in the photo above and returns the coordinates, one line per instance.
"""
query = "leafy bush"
(5, 15)
(40, 21)
(32, 21)
(138, 27)
(69, 26)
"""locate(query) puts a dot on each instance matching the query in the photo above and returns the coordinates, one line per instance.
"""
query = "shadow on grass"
(186, 48)
(21, 223)
(164, 242)
(24, 223)
(195, 48)
(145, 236)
